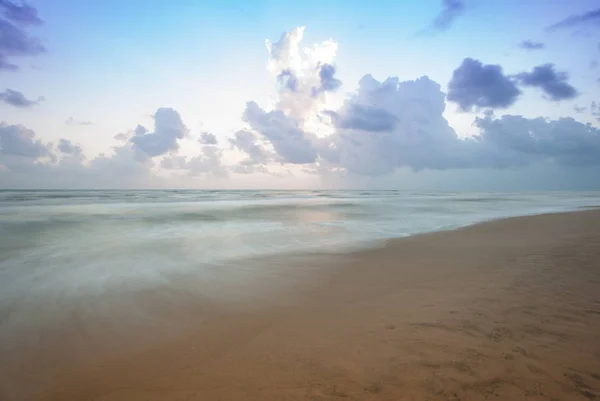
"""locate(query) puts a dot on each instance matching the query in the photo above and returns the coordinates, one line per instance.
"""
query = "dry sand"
(507, 310)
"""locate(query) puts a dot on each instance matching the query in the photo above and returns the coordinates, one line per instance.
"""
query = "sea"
(63, 248)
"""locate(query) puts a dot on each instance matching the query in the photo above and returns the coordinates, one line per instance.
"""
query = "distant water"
(80, 242)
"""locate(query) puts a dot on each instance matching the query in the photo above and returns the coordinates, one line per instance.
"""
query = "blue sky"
(116, 63)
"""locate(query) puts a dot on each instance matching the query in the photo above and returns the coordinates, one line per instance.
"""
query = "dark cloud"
(17, 140)
(478, 85)
(168, 128)
(207, 138)
(290, 142)
(328, 81)
(364, 117)
(121, 136)
(576, 20)
(14, 41)
(17, 99)
(288, 79)
(451, 9)
(67, 147)
(579, 109)
(593, 64)
(20, 14)
(563, 141)
(529, 45)
(72, 121)
(552, 83)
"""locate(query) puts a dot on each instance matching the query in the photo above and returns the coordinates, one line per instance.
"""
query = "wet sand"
(506, 310)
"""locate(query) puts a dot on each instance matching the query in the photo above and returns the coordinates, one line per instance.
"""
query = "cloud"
(21, 14)
(247, 142)
(328, 81)
(450, 11)
(207, 162)
(6, 65)
(73, 122)
(563, 141)
(305, 74)
(288, 80)
(384, 128)
(396, 124)
(579, 109)
(206, 138)
(67, 147)
(552, 83)
(14, 40)
(18, 140)
(290, 142)
(479, 85)
(17, 99)
(576, 20)
(595, 109)
(168, 128)
(529, 45)
(364, 117)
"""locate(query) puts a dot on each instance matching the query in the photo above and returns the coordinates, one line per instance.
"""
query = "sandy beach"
(506, 310)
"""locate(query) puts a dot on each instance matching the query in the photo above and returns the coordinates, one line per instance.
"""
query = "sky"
(435, 94)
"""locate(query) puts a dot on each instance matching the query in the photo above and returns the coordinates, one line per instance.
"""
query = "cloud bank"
(383, 127)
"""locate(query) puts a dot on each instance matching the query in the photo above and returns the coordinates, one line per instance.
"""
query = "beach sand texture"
(506, 310)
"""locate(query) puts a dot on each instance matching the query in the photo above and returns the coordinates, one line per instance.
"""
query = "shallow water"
(84, 268)
(83, 242)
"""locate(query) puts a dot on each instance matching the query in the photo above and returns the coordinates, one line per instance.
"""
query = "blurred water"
(82, 242)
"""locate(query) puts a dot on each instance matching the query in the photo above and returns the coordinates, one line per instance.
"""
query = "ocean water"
(83, 242)
(115, 267)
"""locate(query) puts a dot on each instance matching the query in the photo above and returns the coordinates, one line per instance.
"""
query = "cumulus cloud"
(17, 140)
(67, 147)
(288, 80)
(14, 39)
(247, 142)
(530, 45)
(328, 81)
(395, 124)
(209, 161)
(564, 141)
(552, 83)
(576, 20)
(363, 117)
(207, 138)
(290, 142)
(451, 9)
(479, 85)
(305, 73)
(385, 126)
(74, 122)
(168, 128)
(17, 99)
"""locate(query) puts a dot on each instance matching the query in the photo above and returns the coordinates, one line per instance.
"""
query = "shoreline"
(504, 308)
